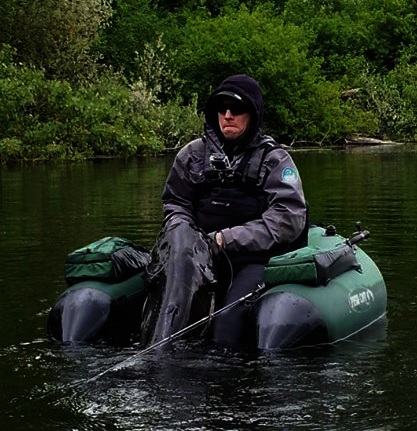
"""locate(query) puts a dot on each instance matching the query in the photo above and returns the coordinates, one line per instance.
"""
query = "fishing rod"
(125, 363)
(355, 238)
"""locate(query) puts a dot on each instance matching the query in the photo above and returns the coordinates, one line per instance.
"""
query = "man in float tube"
(241, 188)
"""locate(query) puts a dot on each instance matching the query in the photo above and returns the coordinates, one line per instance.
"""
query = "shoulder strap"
(253, 171)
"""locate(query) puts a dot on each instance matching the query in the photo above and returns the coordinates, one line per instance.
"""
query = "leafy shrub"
(60, 100)
(299, 103)
(133, 25)
(47, 119)
(57, 36)
(10, 149)
(393, 99)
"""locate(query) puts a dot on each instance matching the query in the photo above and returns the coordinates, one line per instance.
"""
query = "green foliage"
(57, 36)
(393, 99)
(153, 94)
(300, 104)
(134, 23)
(155, 79)
(119, 78)
(10, 149)
(213, 7)
(376, 30)
(48, 119)
(179, 124)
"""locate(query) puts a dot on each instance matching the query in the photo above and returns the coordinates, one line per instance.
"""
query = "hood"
(242, 88)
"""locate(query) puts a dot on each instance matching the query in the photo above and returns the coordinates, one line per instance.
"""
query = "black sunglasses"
(234, 108)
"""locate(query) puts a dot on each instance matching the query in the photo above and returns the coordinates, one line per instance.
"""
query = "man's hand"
(216, 243)
(218, 237)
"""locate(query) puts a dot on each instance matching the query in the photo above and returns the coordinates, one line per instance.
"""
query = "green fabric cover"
(294, 267)
(110, 259)
(311, 265)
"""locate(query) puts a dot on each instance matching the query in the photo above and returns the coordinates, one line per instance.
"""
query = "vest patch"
(289, 175)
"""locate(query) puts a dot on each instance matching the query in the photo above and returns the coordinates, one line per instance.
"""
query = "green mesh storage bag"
(309, 265)
(110, 259)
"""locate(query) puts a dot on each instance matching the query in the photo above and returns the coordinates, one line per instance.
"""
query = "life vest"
(231, 196)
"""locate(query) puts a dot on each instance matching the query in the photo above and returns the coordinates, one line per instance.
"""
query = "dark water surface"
(368, 384)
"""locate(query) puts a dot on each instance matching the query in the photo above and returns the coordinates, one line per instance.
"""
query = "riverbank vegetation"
(88, 78)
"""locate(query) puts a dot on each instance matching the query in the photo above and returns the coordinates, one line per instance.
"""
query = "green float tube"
(340, 293)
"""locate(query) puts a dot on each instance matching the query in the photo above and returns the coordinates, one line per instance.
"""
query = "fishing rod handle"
(358, 237)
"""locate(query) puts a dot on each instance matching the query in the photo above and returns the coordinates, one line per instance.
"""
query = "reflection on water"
(208, 389)
(367, 384)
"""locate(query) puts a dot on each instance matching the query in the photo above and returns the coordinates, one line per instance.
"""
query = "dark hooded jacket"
(258, 203)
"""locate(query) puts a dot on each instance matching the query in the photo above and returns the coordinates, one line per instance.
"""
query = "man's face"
(234, 119)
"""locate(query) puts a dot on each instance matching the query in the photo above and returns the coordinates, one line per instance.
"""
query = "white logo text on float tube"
(361, 299)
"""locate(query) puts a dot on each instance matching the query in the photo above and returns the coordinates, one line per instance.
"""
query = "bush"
(393, 99)
(45, 119)
(57, 36)
(59, 100)
(299, 103)
(10, 149)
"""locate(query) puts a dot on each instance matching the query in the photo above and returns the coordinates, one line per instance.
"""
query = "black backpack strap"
(252, 175)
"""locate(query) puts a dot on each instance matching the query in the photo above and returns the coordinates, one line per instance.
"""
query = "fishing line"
(250, 297)
(207, 319)
(212, 314)
(132, 359)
